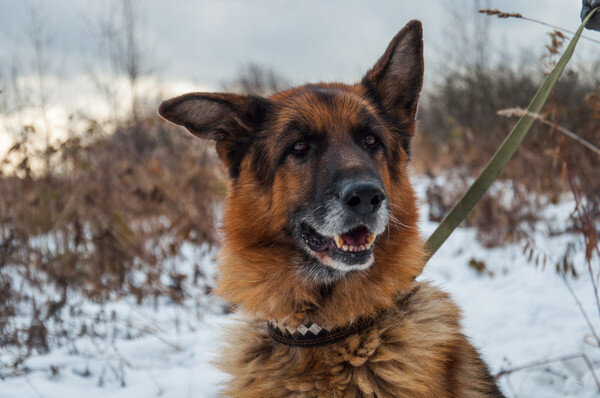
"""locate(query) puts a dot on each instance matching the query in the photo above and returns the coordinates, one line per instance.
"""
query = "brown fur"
(415, 348)
(270, 286)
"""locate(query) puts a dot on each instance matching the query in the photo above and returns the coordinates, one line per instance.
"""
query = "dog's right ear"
(228, 119)
(396, 80)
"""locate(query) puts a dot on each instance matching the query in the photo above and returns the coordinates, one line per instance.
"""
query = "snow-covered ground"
(520, 315)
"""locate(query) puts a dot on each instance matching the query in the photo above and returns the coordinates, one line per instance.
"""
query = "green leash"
(504, 153)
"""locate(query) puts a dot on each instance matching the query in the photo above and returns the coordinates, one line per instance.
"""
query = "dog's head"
(318, 184)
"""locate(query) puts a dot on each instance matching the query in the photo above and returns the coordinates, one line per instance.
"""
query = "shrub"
(105, 220)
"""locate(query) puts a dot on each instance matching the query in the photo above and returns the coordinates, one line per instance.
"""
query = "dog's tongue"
(356, 237)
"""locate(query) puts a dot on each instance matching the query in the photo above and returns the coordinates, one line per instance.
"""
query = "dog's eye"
(300, 146)
(370, 140)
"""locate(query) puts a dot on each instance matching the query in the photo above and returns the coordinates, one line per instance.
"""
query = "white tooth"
(370, 239)
(345, 248)
(339, 242)
(363, 247)
(352, 248)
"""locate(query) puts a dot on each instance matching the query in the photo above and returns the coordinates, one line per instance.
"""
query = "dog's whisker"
(315, 210)
(397, 206)
(399, 224)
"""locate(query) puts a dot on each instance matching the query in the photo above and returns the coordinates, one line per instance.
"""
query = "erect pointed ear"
(229, 119)
(395, 82)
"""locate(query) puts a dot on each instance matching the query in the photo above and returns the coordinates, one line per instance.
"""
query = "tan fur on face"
(259, 266)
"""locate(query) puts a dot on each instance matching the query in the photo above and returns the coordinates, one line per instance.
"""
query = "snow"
(520, 315)
(144, 367)
(523, 314)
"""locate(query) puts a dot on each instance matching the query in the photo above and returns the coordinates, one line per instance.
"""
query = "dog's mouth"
(356, 240)
(353, 247)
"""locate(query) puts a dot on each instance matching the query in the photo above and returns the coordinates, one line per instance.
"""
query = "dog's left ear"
(230, 120)
(395, 82)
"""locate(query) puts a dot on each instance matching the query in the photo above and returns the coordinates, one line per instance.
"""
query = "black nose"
(362, 197)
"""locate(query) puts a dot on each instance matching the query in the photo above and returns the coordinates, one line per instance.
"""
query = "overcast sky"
(207, 41)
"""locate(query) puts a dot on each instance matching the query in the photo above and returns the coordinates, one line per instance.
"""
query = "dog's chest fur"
(413, 350)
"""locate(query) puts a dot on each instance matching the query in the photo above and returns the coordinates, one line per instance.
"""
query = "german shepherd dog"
(321, 247)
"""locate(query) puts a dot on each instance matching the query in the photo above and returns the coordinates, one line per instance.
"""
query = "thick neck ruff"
(312, 335)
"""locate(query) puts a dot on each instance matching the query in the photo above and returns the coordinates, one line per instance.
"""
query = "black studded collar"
(311, 334)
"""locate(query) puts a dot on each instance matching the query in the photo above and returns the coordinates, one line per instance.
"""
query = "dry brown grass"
(103, 221)
(462, 135)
